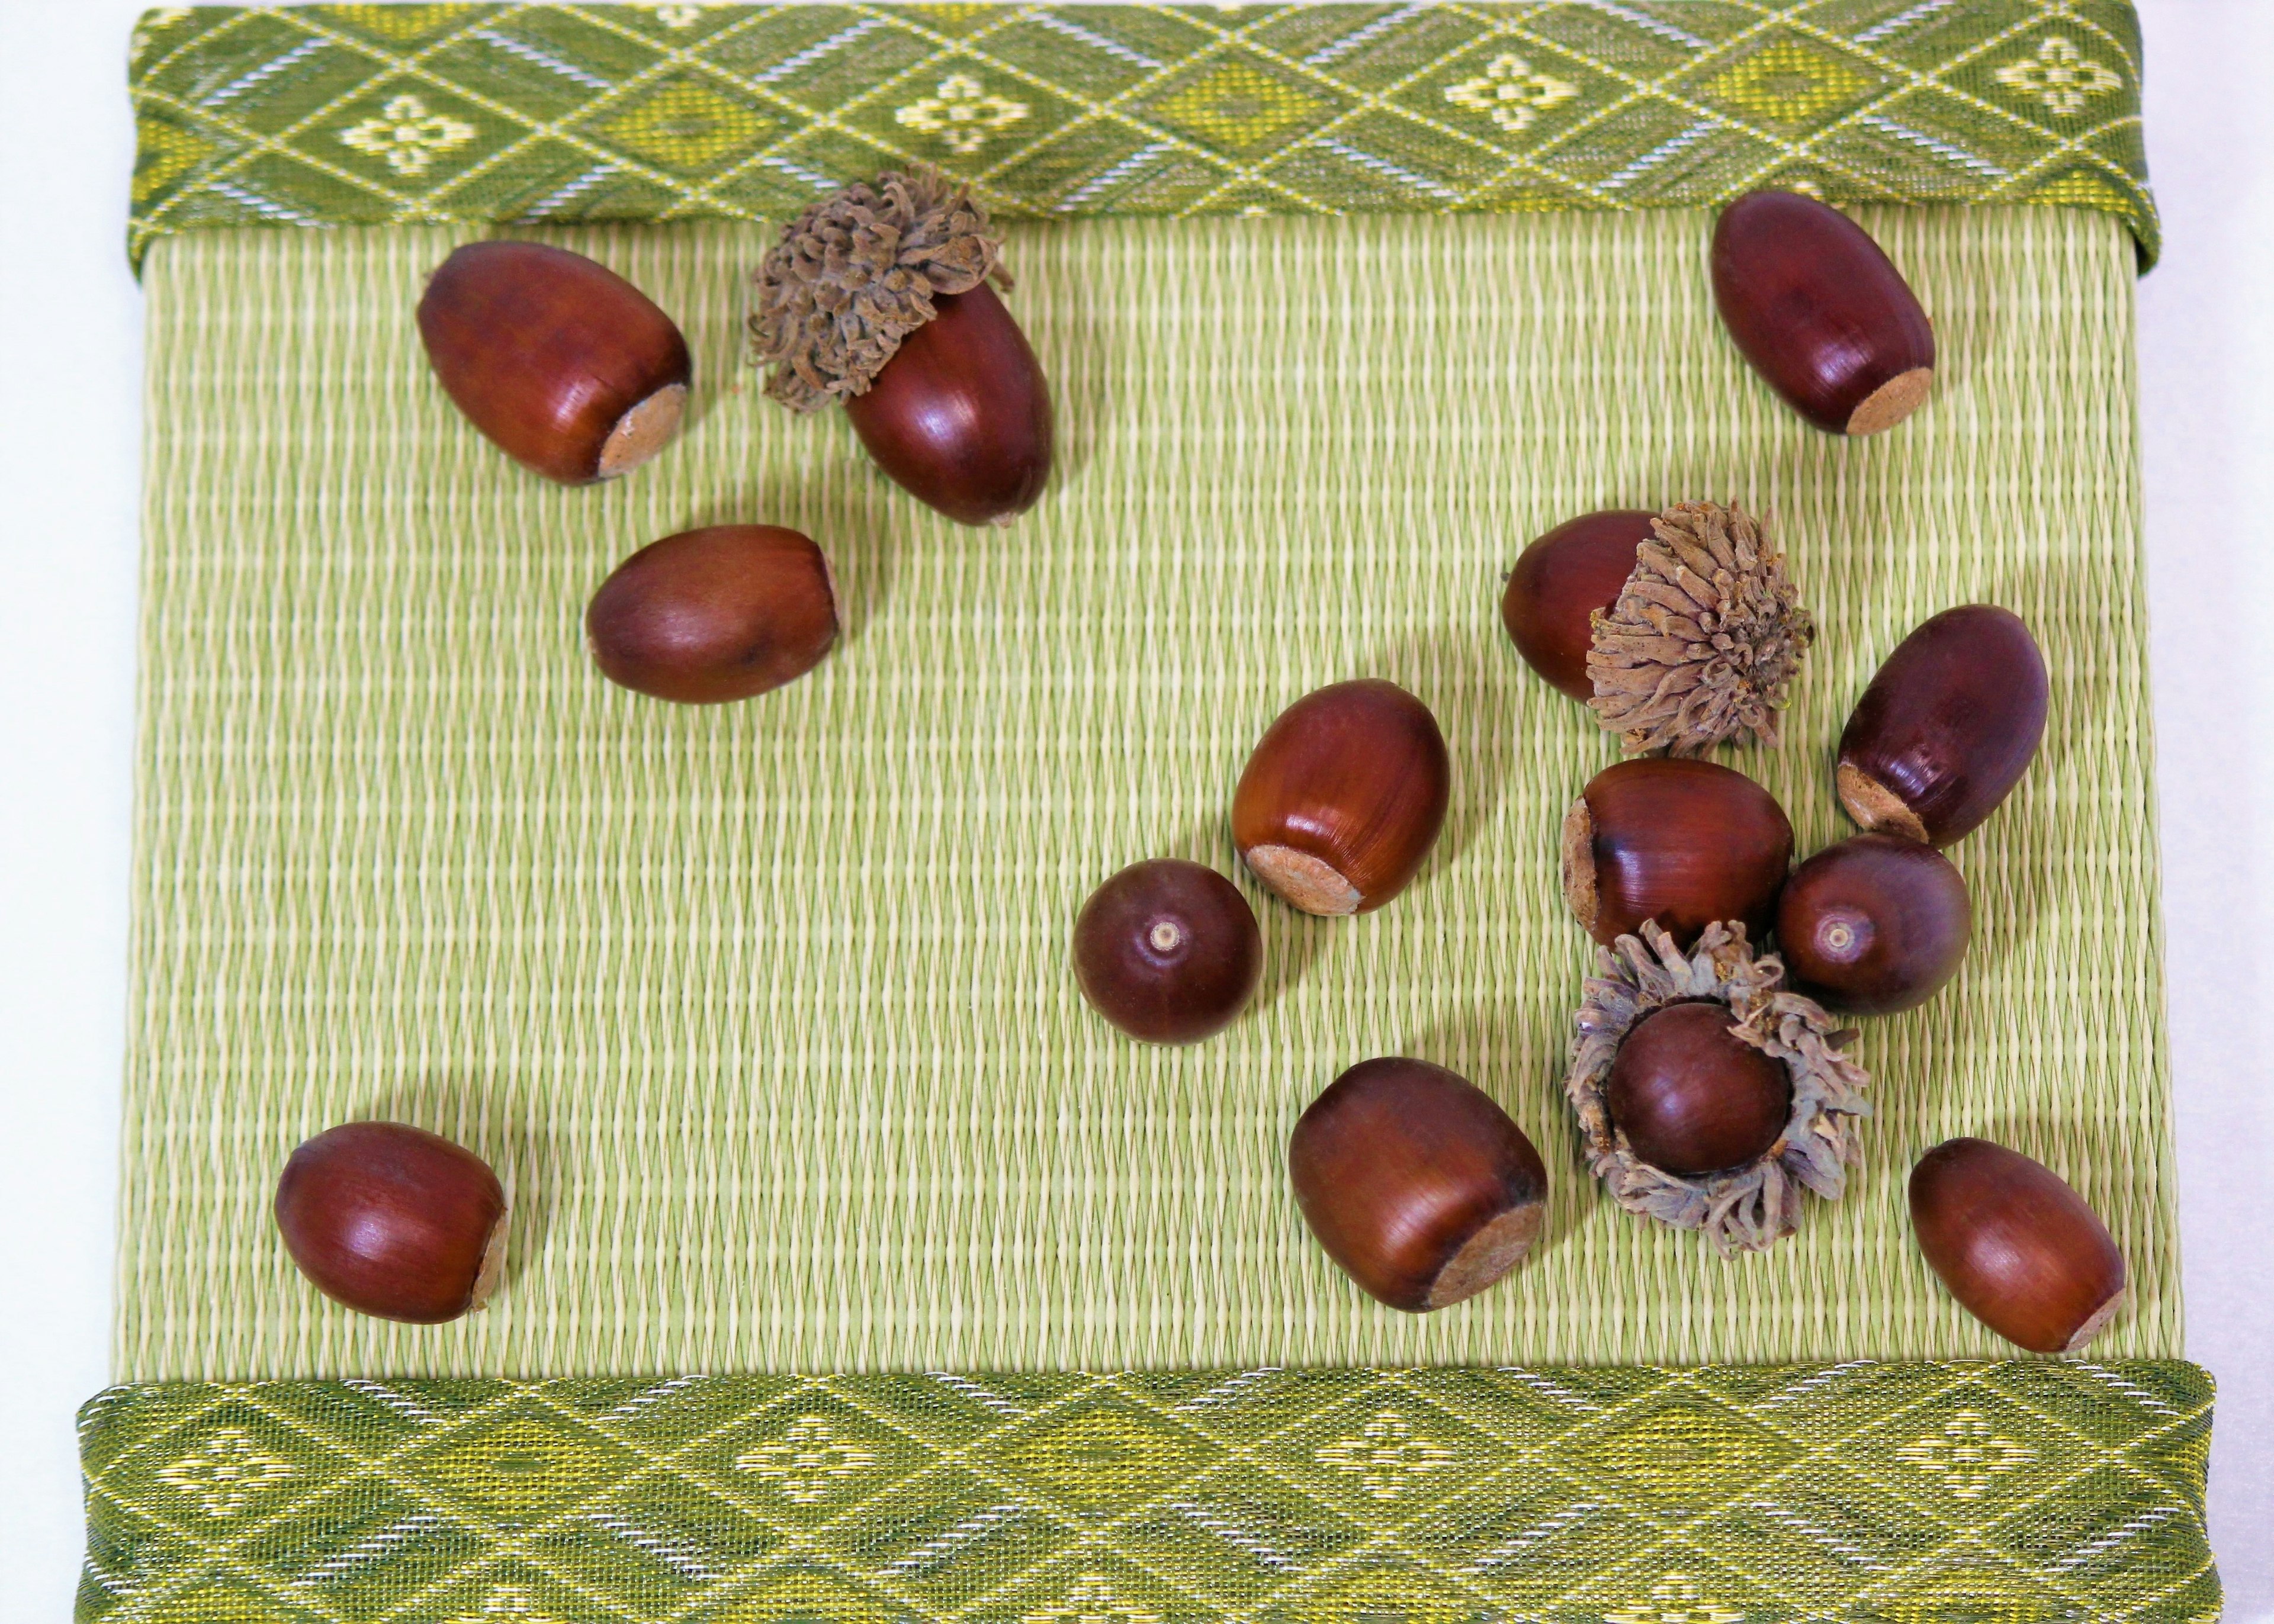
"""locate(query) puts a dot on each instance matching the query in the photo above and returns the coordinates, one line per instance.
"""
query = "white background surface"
(69, 402)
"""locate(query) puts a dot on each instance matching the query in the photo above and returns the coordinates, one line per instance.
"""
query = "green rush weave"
(406, 114)
(2032, 1489)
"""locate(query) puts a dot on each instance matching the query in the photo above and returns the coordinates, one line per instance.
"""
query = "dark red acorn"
(1874, 924)
(1681, 841)
(960, 416)
(1821, 312)
(1560, 582)
(1691, 1096)
(1947, 727)
(714, 615)
(394, 1222)
(2018, 1248)
(1168, 951)
(566, 367)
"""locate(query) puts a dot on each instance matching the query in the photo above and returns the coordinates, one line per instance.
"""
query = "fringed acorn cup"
(878, 296)
(1708, 1095)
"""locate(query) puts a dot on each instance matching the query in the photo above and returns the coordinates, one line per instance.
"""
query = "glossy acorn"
(2017, 1247)
(714, 615)
(1560, 582)
(394, 1222)
(1339, 804)
(961, 417)
(1947, 728)
(1873, 925)
(562, 364)
(1168, 951)
(1821, 312)
(1419, 1186)
(1691, 1096)
(1680, 841)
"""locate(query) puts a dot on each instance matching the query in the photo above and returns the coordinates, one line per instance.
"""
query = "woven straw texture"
(2025, 1491)
(763, 1011)
(373, 114)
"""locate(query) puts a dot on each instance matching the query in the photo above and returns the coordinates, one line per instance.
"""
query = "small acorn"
(878, 296)
(1684, 843)
(714, 615)
(394, 1222)
(2018, 1248)
(1874, 925)
(1419, 1186)
(1691, 1096)
(1168, 951)
(1947, 728)
(1821, 312)
(1343, 797)
(566, 367)
(1679, 629)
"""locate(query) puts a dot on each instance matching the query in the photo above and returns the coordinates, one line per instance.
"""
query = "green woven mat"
(2026, 1491)
(374, 115)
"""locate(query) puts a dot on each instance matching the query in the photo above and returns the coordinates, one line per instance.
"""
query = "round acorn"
(1821, 312)
(1874, 925)
(1416, 1183)
(1691, 1096)
(394, 1222)
(1684, 842)
(566, 367)
(1947, 727)
(878, 296)
(1340, 802)
(714, 615)
(1168, 951)
(2018, 1248)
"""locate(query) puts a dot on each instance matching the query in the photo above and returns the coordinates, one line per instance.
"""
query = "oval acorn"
(878, 296)
(392, 1221)
(1821, 312)
(1344, 795)
(1560, 582)
(1168, 951)
(1685, 843)
(566, 367)
(1947, 727)
(714, 615)
(2018, 1248)
(1874, 924)
(1691, 1096)
(1419, 1186)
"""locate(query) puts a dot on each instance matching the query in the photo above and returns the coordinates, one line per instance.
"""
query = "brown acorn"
(566, 367)
(1681, 842)
(1419, 1186)
(394, 1222)
(1874, 924)
(1168, 951)
(2018, 1248)
(877, 297)
(714, 615)
(1564, 580)
(1947, 727)
(1343, 797)
(1691, 1096)
(1821, 312)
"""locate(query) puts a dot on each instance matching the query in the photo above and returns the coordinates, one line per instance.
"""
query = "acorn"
(2016, 1247)
(1343, 797)
(1680, 629)
(1710, 1096)
(1874, 925)
(1947, 726)
(1821, 312)
(566, 367)
(1419, 1186)
(877, 297)
(1683, 843)
(714, 615)
(1691, 1096)
(394, 1222)
(1168, 951)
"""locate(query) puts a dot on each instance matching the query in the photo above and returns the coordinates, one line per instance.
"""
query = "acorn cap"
(856, 273)
(1745, 1208)
(1705, 637)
